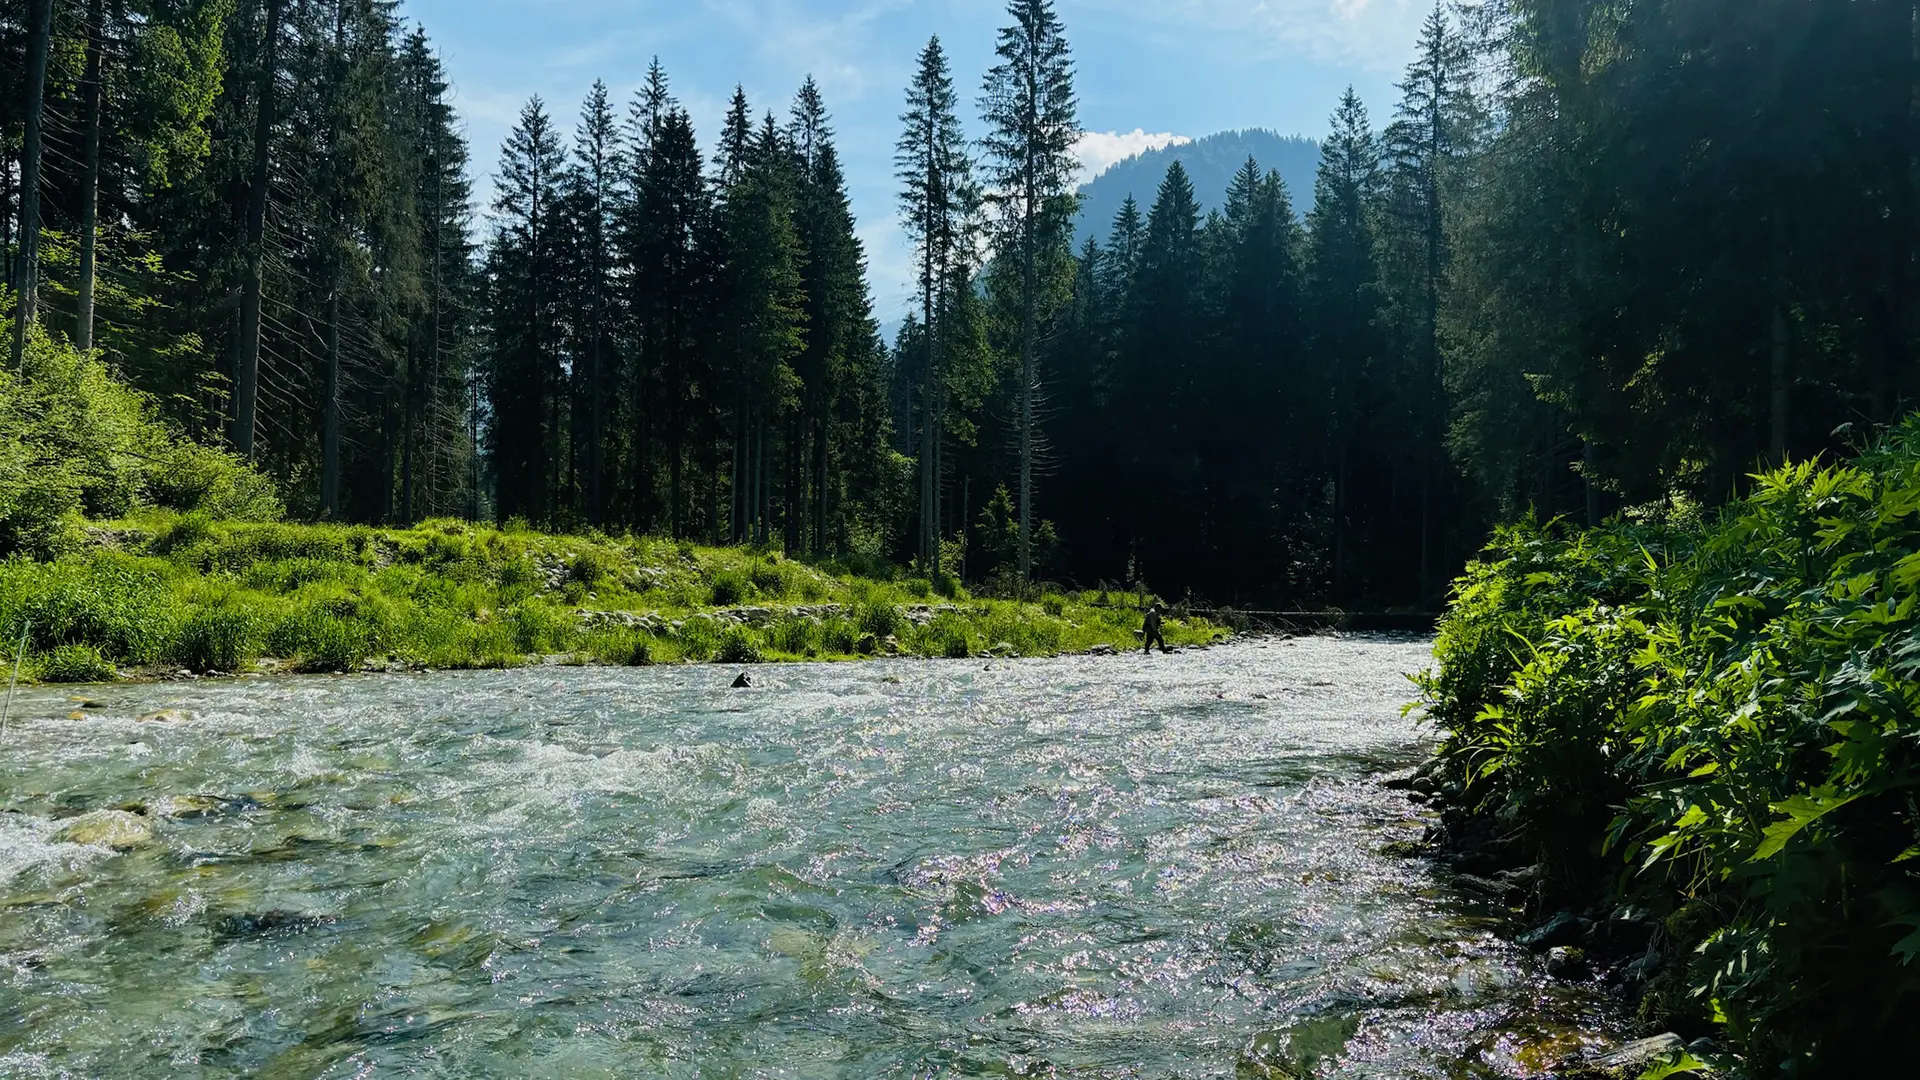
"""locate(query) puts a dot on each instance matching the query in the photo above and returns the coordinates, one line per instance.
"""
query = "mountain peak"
(1210, 163)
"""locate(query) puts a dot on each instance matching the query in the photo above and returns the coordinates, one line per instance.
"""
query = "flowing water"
(1083, 867)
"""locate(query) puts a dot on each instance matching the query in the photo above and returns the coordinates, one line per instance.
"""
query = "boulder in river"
(1565, 928)
(742, 682)
(1641, 1054)
(117, 829)
(1566, 962)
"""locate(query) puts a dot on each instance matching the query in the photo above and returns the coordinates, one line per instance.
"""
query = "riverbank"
(165, 593)
(1688, 744)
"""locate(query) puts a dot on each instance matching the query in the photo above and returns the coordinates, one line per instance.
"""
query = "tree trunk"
(1777, 442)
(89, 181)
(408, 393)
(26, 273)
(330, 428)
(246, 341)
(1028, 302)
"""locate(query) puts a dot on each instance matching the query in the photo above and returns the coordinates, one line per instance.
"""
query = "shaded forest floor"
(164, 593)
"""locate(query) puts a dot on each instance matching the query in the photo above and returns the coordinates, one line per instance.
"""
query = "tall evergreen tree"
(936, 201)
(524, 379)
(1343, 304)
(1032, 118)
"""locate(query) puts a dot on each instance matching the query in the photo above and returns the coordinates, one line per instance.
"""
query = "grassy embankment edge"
(162, 593)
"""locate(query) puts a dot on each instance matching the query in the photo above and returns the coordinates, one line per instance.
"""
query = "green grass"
(185, 591)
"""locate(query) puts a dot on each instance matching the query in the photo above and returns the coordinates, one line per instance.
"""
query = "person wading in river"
(1152, 632)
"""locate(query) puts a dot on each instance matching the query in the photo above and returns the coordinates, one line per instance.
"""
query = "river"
(1083, 867)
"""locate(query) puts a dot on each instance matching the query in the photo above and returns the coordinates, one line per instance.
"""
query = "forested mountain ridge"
(1575, 268)
(1210, 162)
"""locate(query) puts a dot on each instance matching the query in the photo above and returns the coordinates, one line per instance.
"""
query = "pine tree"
(246, 341)
(936, 200)
(26, 273)
(524, 379)
(1031, 114)
(1343, 290)
(1426, 145)
(594, 188)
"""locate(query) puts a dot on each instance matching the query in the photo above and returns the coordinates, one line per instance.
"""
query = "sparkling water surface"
(1085, 867)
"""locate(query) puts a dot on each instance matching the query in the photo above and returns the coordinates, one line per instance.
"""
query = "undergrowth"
(186, 591)
(1709, 730)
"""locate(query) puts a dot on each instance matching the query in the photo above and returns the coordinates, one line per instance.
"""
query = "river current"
(1084, 867)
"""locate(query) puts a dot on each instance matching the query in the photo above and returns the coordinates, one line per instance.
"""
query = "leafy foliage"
(1718, 722)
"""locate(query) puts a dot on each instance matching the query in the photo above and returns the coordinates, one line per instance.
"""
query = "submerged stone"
(117, 829)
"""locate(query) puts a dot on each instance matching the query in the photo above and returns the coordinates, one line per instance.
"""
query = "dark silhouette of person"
(1152, 632)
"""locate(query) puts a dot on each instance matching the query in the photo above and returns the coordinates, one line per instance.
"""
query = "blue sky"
(1148, 71)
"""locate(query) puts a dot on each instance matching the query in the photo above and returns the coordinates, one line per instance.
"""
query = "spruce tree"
(936, 196)
(524, 379)
(1031, 113)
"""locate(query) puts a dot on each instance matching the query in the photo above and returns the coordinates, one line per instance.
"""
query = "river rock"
(117, 829)
(1565, 928)
(1566, 962)
(742, 683)
(1642, 1054)
(1100, 650)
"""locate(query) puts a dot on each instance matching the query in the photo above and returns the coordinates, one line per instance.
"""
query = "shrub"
(1712, 723)
(956, 646)
(591, 567)
(321, 638)
(1054, 604)
(539, 627)
(730, 588)
(771, 579)
(213, 640)
(699, 638)
(879, 619)
(627, 648)
(74, 440)
(737, 647)
(118, 604)
(74, 664)
(794, 635)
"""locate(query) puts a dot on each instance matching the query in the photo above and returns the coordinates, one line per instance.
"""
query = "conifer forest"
(1595, 252)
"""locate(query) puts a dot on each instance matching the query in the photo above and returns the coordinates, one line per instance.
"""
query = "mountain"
(1210, 163)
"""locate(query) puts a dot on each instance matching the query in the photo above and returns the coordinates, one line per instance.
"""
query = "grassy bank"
(1699, 735)
(126, 547)
(165, 591)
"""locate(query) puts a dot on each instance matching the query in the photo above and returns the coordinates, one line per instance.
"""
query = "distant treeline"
(1599, 253)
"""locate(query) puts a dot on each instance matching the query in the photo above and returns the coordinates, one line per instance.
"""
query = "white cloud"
(1097, 150)
(1372, 34)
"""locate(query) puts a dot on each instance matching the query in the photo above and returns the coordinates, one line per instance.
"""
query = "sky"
(1148, 72)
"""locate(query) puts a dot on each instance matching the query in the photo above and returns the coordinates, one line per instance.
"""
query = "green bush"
(628, 648)
(737, 647)
(1716, 725)
(730, 588)
(879, 619)
(772, 580)
(214, 639)
(115, 603)
(75, 441)
(321, 638)
(74, 664)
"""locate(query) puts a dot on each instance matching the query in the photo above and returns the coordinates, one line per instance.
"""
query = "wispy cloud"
(1098, 150)
(1373, 34)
